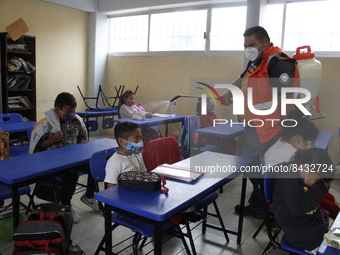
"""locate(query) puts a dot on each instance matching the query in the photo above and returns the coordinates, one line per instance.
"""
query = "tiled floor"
(90, 230)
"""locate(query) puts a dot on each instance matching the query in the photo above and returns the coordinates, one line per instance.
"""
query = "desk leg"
(158, 239)
(16, 202)
(240, 219)
(166, 129)
(108, 232)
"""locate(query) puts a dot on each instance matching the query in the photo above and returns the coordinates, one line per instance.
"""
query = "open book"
(180, 173)
(161, 115)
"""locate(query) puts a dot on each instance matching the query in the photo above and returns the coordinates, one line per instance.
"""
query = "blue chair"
(97, 166)
(6, 193)
(17, 150)
(267, 187)
(10, 118)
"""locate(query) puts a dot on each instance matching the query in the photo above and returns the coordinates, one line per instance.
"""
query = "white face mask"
(251, 53)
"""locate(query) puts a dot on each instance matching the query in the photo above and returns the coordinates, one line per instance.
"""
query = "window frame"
(207, 51)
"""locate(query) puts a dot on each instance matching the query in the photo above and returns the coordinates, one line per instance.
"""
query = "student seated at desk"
(62, 127)
(293, 138)
(128, 157)
(128, 107)
(296, 195)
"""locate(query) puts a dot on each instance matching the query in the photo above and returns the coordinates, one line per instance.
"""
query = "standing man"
(268, 67)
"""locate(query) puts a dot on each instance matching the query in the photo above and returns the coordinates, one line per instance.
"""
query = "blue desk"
(324, 249)
(18, 127)
(156, 207)
(23, 170)
(153, 121)
(224, 131)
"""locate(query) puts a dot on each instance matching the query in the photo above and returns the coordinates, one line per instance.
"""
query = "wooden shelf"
(29, 92)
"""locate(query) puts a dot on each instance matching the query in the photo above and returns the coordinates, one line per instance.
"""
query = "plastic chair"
(10, 118)
(267, 187)
(97, 166)
(6, 193)
(15, 118)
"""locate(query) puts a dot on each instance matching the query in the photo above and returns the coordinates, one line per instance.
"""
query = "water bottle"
(74, 249)
(173, 108)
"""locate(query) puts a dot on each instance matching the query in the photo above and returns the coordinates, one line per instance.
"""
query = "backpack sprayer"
(310, 72)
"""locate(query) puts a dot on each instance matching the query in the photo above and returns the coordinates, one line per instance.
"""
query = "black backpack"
(48, 228)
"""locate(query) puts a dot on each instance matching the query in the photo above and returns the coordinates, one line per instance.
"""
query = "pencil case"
(147, 181)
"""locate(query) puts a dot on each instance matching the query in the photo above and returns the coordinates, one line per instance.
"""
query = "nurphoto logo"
(238, 102)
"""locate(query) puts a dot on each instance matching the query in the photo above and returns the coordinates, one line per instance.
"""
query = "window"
(290, 24)
(311, 23)
(227, 27)
(177, 31)
(128, 34)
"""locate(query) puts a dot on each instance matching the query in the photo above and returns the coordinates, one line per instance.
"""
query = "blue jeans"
(251, 147)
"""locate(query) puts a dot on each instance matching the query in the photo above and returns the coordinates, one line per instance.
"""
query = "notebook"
(161, 115)
(179, 173)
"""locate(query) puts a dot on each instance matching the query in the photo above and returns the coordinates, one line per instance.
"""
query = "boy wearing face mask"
(300, 137)
(62, 127)
(128, 157)
(296, 195)
(268, 67)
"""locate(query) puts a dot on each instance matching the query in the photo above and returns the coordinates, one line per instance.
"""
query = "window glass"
(177, 31)
(128, 34)
(272, 20)
(227, 28)
(313, 23)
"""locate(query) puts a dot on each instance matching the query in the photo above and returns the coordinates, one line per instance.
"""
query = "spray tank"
(310, 72)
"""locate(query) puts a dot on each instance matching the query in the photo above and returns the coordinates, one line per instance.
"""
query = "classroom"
(72, 55)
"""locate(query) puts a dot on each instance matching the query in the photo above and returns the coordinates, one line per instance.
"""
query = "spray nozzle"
(175, 98)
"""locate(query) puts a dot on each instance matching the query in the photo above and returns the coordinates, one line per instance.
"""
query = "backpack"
(48, 228)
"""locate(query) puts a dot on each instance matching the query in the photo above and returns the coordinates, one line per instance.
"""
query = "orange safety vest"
(258, 79)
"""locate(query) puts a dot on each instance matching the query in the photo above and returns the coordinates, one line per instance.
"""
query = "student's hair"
(258, 31)
(125, 95)
(125, 129)
(318, 160)
(65, 99)
(304, 127)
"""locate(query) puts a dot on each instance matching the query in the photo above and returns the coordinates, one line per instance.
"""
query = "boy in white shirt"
(128, 157)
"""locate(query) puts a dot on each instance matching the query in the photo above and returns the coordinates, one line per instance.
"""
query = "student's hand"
(311, 180)
(57, 136)
(327, 184)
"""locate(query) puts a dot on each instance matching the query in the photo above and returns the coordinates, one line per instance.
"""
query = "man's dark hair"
(125, 129)
(258, 31)
(65, 99)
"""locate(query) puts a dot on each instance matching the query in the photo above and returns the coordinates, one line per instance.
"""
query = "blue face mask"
(67, 117)
(134, 148)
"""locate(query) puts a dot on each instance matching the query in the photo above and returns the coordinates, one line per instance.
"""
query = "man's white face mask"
(251, 53)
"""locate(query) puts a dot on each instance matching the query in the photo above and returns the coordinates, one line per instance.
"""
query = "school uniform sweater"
(297, 212)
